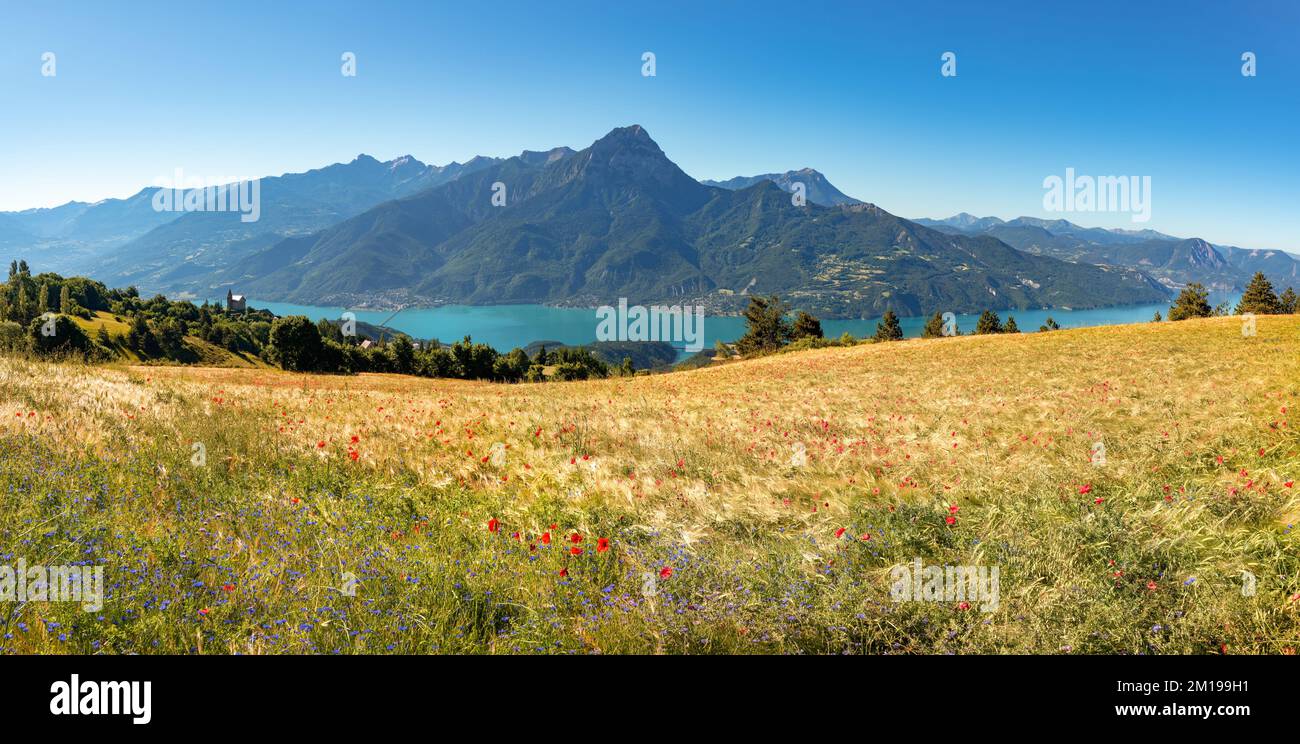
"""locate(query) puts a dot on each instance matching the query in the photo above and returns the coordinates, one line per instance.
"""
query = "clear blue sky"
(851, 88)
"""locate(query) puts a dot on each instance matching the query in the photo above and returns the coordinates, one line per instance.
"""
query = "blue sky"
(850, 88)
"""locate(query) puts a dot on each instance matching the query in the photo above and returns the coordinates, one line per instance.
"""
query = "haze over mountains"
(1172, 261)
(617, 219)
(817, 189)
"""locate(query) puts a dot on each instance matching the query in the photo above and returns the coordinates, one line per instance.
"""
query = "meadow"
(1134, 485)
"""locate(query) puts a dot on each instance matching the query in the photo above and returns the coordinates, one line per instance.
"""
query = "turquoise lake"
(507, 326)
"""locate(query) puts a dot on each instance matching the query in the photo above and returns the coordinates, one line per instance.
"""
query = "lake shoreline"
(402, 307)
(507, 326)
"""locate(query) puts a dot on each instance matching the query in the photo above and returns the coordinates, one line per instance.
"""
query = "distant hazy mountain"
(970, 224)
(12, 232)
(198, 244)
(620, 220)
(1282, 268)
(817, 189)
(67, 237)
(961, 222)
(110, 220)
(1171, 260)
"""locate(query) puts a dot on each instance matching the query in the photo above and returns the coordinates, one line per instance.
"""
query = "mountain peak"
(633, 130)
(624, 136)
(404, 162)
(819, 190)
(629, 148)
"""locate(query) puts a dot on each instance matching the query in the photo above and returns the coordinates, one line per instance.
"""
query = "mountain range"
(1172, 261)
(620, 220)
(617, 219)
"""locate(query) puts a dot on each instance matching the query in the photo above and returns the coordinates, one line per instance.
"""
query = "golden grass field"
(753, 507)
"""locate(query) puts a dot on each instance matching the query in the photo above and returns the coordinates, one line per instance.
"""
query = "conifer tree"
(1259, 297)
(1289, 302)
(933, 326)
(806, 325)
(989, 322)
(1193, 302)
(888, 329)
(766, 327)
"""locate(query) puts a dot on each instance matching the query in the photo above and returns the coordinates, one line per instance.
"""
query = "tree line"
(1258, 299)
(299, 345)
(39, 316)
(770, 327)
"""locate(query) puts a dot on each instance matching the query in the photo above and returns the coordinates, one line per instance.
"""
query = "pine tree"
(766, 327)
(807, 326)
(1011, 326)
(1193, 302)
(1289, 302)
(65, 300)
(989, 322)
(888, 329)
(933, 326)
(1259, 297)
(1049, 325)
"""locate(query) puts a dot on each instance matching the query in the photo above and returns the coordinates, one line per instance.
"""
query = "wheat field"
(1134, 486)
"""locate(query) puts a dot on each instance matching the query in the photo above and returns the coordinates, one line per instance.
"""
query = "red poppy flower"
(492, 525)
(227, 587)
(951, 520)
(666, 572)
(575, 550)
(546, 538)
(839, 533)
(204, 611)
(564, 572)
(575, 538)
(321, 444)
(602, 544)
(1085, 488)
